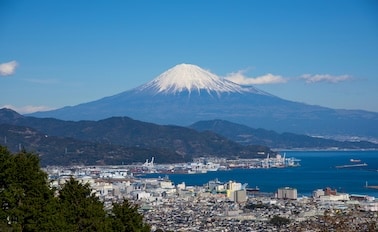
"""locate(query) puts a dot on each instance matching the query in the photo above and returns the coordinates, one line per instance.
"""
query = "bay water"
(317, 170)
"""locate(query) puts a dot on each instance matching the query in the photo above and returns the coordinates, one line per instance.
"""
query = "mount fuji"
(191, 78)
(187, 93)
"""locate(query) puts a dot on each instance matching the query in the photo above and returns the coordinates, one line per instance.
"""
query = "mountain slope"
(247, 136)
(186, 94)
(165, 143)
(54, 150)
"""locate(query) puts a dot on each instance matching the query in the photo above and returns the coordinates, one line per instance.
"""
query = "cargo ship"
(352, 165)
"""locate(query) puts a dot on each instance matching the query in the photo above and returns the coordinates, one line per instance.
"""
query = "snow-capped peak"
(188, 77)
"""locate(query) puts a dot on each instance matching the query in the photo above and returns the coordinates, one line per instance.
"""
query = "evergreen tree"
(279, 221)
(28, 203)
(5, 162)
(81, 209)
(126, 218)
(24, 192)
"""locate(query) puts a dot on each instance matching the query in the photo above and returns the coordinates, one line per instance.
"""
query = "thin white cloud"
(27, 109)
(240, 78)
(8, 68)
(309, 78)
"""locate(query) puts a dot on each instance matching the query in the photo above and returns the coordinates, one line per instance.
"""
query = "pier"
(370, 186)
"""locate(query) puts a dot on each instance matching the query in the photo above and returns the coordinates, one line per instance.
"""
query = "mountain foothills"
(186, 94)
(116, 140)
(246, 135)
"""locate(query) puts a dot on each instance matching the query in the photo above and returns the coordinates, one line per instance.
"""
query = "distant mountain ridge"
(122, 140)
(55, 150)
(186, 94)
(114, 140)
(246, 136)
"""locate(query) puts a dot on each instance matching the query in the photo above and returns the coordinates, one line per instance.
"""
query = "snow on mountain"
(188, 77)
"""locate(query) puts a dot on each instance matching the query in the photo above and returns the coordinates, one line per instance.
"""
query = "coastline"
(317, 171)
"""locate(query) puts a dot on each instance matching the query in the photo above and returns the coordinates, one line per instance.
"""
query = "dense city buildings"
(218, 206)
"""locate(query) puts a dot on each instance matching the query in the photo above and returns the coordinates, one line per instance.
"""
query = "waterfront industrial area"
(222, 206)
(209, 164)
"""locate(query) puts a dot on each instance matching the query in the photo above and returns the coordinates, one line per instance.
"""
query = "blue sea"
(317, 171)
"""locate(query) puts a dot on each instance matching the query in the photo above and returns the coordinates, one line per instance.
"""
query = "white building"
(231, 189)
(287, 193)
(369, 206)
(318, 193)
(337, 197)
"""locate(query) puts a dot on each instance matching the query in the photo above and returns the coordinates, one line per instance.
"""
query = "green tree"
(5, 162)
(279, 221)
(126, 218)
(24, 192)
(81, 209)
(27, 203)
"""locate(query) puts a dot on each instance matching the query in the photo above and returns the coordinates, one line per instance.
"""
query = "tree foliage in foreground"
(279, 221)
(29, 204)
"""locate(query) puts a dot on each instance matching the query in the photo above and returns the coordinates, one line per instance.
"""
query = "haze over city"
(59, 53)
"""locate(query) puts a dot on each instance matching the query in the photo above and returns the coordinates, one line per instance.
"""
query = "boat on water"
(352, 165)
(255, 189)
(371, 186)
(202, 167)
(355, 160)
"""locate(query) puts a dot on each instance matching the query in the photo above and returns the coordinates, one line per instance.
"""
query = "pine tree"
(81, 209)
(126, 218)
(29, 204)
(24, 192)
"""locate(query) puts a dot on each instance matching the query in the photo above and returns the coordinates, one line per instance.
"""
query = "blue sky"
(60, 53)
